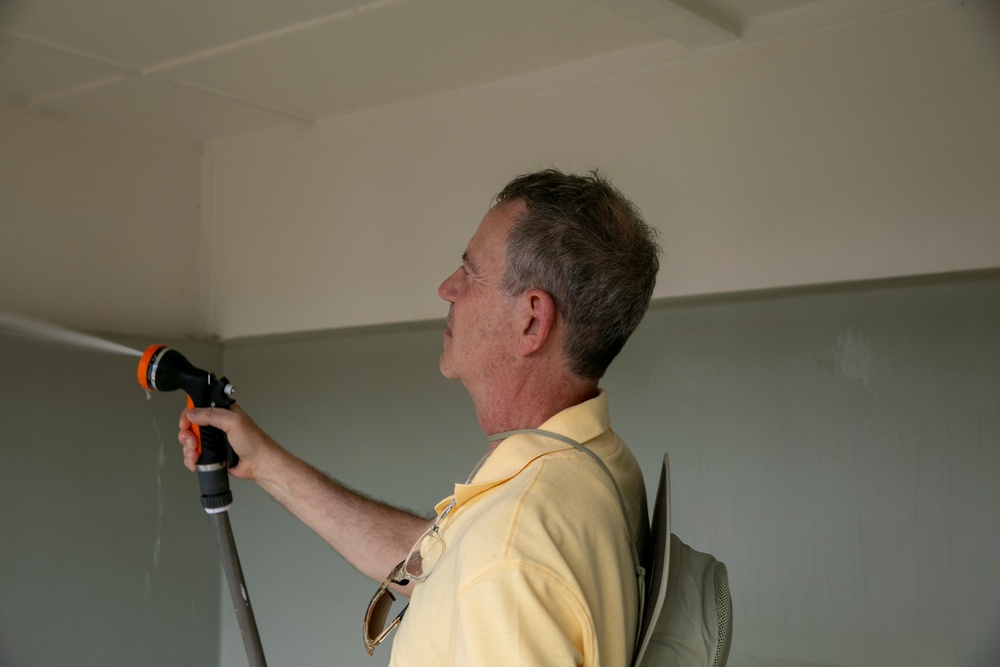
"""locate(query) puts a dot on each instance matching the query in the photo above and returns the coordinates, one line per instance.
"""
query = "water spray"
(164, 369)
(32, 328)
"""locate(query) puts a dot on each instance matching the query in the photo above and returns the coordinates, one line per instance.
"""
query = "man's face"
(481, 333)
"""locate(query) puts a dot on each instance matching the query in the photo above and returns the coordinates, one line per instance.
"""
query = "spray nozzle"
(164, 369)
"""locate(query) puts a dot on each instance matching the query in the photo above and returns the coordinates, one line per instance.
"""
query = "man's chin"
(445, 367)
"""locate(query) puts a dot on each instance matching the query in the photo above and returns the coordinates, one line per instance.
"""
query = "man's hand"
(245, 437)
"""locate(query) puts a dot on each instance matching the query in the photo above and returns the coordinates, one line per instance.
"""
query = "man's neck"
(529, 404)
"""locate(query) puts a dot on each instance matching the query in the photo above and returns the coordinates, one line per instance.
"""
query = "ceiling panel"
(415, 49)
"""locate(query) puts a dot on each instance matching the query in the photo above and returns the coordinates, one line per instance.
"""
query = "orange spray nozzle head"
(164, 369)
(144, 366)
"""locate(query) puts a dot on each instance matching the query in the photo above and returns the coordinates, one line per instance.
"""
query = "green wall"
(840, 450)
(106, 557)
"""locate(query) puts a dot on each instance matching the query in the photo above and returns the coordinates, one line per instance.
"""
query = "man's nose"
(448, 289)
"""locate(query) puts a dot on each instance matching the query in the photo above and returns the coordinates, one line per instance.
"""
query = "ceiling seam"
(215, 51)
(246, 101)
(35, 102)
(70, 51)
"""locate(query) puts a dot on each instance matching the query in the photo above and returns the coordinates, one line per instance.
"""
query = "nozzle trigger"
(195, 428)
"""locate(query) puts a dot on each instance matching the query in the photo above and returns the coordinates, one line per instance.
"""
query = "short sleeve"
(521, 614)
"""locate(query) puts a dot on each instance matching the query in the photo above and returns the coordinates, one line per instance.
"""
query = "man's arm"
(371, 535)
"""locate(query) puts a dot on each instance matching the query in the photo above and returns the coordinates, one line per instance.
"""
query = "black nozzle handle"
(215, 448)
(217, 456)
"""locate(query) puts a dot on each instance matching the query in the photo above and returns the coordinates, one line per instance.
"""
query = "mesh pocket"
(724, 612)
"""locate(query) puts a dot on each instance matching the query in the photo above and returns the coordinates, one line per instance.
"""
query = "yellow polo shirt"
(537, 568)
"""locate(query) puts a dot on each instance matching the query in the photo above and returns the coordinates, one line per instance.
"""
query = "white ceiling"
(193, 71)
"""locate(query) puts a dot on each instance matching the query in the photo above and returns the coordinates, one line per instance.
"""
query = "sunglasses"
(416, 567)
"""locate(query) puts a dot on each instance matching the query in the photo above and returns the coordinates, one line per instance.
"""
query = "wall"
(860, 151)
(98, 233)
(836, 447)
(107, 558)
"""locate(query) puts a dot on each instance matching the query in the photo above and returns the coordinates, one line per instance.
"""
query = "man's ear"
(540, 314)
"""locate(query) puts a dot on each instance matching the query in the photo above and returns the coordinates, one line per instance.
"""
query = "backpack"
(686, 612)
(688, 617)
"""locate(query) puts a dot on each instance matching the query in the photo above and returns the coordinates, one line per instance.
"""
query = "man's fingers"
(243, 435)
(189, 445)
(216, 417)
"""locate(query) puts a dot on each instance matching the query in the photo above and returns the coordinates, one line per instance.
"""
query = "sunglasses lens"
(424, 556)
(377, 613)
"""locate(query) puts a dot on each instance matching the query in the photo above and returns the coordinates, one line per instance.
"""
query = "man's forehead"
(491, 234)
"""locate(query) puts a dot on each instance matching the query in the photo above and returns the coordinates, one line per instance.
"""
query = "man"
(531, 561)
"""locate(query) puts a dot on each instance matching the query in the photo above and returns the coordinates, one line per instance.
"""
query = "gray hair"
(582, 241)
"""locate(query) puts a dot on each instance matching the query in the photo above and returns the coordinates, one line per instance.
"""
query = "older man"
(532, 560)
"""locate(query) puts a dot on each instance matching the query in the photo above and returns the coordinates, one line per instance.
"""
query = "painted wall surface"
(860, 151)
(97, 233)
(837, 448)
(106, 557)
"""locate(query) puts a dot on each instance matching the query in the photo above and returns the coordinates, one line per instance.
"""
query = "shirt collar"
(581, 422)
